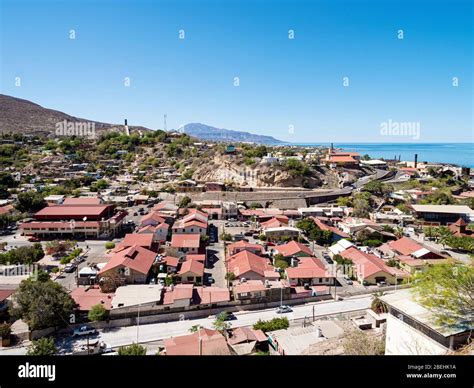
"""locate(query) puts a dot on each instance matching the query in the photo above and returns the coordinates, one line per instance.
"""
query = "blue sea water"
(461, 154)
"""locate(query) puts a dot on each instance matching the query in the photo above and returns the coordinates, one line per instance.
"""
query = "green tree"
(132, 350)
(42, 304)
(344, 201)
(30, 202)
(272, 325)
(185, 202)
(195, 328)
(98, 313)
(220, 323)
(447, 290)
(361, 208)
(42, 347)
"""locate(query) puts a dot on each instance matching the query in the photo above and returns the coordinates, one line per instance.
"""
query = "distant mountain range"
(23, 116)
(206, 132)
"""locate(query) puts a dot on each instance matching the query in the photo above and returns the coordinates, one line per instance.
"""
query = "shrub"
(5, 330)
(98, 313)
(42, 347)
(132, 350)
(109, 245)
(274, 324)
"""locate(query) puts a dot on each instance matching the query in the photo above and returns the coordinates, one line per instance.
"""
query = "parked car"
(33, 239)
(69, 268)
(381, 284)
(349, 281)
(283, 309)
(229, 316)
(84, 330)
(211, 280)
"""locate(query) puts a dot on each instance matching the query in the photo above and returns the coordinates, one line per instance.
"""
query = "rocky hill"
(25, 117)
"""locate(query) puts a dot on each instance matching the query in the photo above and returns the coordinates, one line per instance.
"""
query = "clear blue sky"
(283, 82)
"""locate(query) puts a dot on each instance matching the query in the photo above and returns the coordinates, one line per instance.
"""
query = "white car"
(283, 309)
(84, 330)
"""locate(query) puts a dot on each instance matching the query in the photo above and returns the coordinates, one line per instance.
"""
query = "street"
(152, 332)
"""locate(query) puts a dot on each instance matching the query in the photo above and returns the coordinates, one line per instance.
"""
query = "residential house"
(249, 266)
(370, 269)
(292, 249)
(90, 296)
(159, 232)
(259, 291)
(204, 342)
(186, 243)
(309, 271)
(129, 265)
(191, 271)
(242, 245)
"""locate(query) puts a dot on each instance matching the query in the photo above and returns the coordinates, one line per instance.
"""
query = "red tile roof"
(152, 216)
(142, 240)
(205, 342)
(186, 240)
(307, 268)
(196, 256)
(207, 295)
(171, 261)
(82, 201)
(6, 209)
(246, 334)
(369, 264)
(86, 297)
(69, 211)
(245, 261)
(243, 245)
(4, 294)
(274, 223)
(405, 245)
(135, 257)
(192, 266)
(293, 248)
(321, 225)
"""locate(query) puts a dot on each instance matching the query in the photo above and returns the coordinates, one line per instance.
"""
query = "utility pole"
(138, 321)
(313, 312)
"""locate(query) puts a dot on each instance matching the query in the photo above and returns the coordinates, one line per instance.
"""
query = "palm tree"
(429, 232)
(398, 232)
(444, 234)
(377, 304)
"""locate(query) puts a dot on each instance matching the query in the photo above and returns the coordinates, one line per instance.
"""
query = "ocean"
(461, 154)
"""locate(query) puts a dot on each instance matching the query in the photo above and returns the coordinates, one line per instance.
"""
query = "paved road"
(153, 332)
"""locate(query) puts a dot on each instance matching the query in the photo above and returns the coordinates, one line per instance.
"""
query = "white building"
(411, 328)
